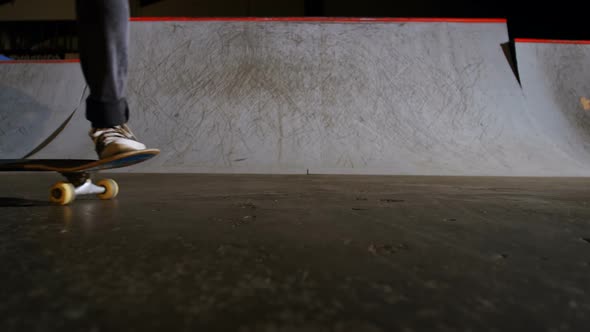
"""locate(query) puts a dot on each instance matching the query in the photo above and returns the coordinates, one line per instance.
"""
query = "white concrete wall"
(343, 98)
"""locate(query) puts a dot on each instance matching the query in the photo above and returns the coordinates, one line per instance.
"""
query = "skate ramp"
(362, 97)
(555, 78)
(36, 100)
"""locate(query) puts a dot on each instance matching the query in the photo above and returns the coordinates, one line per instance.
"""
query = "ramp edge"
(551, 41)
(322, 19)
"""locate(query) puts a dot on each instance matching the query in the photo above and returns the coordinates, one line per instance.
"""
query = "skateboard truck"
(77, 173)
(83, 184)
(80, 183)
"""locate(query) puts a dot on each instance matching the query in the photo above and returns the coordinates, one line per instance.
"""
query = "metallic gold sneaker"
(115, 140)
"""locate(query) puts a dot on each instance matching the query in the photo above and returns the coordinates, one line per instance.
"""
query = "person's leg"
(103, 41)
(104, 33)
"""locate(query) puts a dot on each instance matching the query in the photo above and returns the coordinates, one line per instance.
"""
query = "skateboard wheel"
(62, 193)
(111, 189)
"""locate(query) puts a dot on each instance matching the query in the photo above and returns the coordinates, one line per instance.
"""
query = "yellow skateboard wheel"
(62, 193)
(111, 189)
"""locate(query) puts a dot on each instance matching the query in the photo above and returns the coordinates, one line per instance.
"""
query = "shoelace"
(113, 132)
(103, 137)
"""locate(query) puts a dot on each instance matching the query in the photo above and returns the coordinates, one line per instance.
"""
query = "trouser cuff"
(107, 114)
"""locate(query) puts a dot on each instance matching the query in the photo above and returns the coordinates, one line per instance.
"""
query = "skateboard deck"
(78, 173)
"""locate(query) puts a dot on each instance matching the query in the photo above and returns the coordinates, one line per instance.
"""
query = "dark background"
(565, 19)
(23, 35)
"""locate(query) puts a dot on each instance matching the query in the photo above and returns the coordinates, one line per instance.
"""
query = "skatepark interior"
(317, 174)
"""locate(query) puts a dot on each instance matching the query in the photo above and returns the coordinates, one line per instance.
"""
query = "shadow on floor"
(21, 202)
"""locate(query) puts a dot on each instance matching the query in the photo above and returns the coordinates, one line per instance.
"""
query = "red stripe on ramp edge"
(38, 61)
(551, 41)
(320, 19)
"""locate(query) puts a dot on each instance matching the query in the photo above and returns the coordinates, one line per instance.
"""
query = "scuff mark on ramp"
(50, 138)
(510, 54)
(57, 131)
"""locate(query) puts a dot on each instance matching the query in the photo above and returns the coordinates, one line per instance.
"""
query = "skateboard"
(78, 173)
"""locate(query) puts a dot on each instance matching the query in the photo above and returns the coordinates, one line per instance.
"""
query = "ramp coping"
(551, 41)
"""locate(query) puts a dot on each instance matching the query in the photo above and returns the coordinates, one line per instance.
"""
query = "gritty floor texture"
(297, 253)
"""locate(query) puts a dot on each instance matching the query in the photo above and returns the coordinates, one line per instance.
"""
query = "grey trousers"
(103, 27)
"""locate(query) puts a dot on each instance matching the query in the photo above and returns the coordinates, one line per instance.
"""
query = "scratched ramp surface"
(346, 98)
(556, 81)
(35, 100)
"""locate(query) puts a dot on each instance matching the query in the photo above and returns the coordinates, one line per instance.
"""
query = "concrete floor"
(297, 253)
